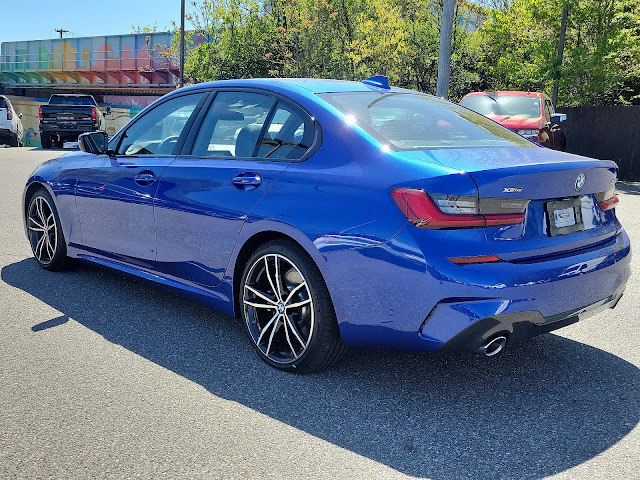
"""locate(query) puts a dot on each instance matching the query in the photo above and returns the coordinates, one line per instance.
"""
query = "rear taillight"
(40, 113)
(608, 203)
(9, 114)
(438, 211)
(94, 114)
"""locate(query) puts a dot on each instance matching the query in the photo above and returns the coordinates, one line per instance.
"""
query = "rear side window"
(232, 125)
(406, 121)
(250, 125)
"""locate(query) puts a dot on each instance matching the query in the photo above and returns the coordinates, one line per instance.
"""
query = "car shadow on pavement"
(537, 410)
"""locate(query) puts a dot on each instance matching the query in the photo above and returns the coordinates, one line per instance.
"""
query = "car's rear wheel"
(287, 309)
(45, 140)
(45, 233)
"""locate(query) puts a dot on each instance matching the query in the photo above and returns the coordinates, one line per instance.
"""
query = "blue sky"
(37, 19)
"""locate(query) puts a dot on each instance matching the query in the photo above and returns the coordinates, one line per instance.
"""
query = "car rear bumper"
(519, 326)
(7, 135)
(68, 128)
(410, 301)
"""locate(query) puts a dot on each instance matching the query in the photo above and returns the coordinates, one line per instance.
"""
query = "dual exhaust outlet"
(493, 346)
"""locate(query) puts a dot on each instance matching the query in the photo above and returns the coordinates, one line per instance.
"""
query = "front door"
(114, 194)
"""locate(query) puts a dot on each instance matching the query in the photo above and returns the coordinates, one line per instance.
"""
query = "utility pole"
(182, 45)
(61, 31)
(563, 29)
(444, 58)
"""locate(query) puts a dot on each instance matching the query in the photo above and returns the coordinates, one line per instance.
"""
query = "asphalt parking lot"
(106, 376)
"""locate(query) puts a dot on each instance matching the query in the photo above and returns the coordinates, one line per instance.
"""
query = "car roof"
(310, 85)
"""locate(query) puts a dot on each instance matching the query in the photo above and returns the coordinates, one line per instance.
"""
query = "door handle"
(145, 178)
(247, 180)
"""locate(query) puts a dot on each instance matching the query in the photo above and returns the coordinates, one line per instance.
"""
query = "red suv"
(530, 114)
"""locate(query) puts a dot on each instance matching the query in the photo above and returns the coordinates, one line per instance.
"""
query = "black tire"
(45, 140)
(302, 339)
(45, 232)
(13, 141)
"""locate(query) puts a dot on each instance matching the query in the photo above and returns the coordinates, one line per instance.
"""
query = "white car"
(11, 129)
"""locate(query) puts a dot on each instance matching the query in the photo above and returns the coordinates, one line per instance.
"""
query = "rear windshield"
(71, 101)
(3, 103)
(408, 121)
(504, 105)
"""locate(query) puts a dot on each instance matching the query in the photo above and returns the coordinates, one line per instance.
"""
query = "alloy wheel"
(43, 230)
(278, 308)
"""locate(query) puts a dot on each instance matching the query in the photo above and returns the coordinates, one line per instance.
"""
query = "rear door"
(245, 140)
(114, 195)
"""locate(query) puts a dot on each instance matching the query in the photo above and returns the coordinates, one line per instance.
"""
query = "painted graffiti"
(116, 60)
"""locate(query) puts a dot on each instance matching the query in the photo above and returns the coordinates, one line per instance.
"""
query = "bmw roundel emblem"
(580, 182)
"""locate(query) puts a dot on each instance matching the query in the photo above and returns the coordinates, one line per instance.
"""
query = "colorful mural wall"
(136, 60)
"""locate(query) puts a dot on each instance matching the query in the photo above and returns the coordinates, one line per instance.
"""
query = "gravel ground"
(106, 376)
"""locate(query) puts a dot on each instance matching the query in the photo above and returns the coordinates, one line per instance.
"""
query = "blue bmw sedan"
(327, 213)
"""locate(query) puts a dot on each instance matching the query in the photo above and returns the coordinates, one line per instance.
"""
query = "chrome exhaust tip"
(494, 346)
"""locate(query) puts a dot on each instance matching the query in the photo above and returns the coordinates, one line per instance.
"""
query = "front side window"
(548, 110)
(407, 121)
(158, 131)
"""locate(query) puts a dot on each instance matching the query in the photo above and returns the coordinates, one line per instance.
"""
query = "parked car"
(531, 114)
(67, 116)
(11, 129)
(340, 213)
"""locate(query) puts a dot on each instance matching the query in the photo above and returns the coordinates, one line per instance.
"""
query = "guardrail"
(88, 61)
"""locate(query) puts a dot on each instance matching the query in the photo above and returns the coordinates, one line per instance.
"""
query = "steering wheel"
(167, 144)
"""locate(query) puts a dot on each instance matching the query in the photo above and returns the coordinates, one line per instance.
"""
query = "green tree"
(600, 60)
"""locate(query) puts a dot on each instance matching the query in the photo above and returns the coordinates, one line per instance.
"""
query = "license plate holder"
(565, 216)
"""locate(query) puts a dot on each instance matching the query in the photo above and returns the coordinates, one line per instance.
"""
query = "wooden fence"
(608, 133)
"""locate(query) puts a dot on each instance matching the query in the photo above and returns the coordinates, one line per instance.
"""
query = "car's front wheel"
(45, 233)
(287, 309)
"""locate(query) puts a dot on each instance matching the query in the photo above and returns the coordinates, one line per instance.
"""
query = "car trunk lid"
(564, 190)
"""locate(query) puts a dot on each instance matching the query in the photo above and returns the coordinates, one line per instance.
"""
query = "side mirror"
(20, 116)
(558, 117)
(94, 142)
(107, 111)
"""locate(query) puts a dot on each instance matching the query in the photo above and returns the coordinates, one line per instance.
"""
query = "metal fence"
(608, 133)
